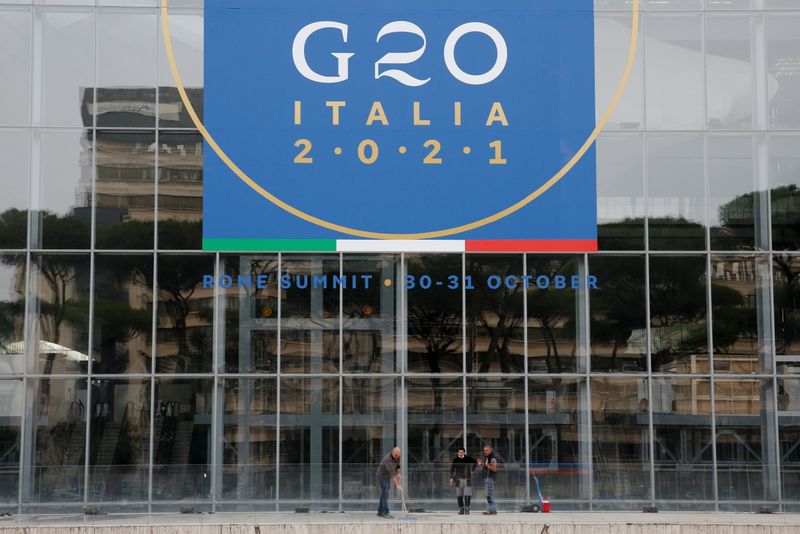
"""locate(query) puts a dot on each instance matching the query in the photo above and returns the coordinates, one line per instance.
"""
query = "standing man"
(489, 465)
(461, 476)
(389, 470)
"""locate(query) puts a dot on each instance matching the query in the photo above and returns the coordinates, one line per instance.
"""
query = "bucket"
(546, 505)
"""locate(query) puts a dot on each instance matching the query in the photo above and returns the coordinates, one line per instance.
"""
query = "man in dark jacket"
(461, 477)
(388, 471)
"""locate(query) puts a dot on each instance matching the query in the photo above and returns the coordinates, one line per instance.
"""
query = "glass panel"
(249, 439)
(126, 167)
(15, 64)
(612, 42)
(12, 314)
(783, 48)
(369, 432)
(59, 292)
(185, 314)
(61, 195)
(126, 77)
(496, 419)
(738, 298)
(621, 433)
(58, 441)
(123, 314)
(310, 313)
(789, 437)
(186, 33)
(119, 443)
(746, 465)
(733, 42)
(251, 313)
(676, 191)
(618, 314)
(674, 78)
(495, 314)
(684, 461)
(678, 314)
(14, 179)
(559, 437)
(369, 315)
(10, 431)
(785, 191)
(182, 439)
(309, 452)
(180, 191)
(435, 321)
(786, 283)
(435, 431)
(620, 192)
(68, 67)
(552, 314)
(737, 207)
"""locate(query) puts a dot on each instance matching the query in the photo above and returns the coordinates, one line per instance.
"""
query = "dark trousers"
(383, 502)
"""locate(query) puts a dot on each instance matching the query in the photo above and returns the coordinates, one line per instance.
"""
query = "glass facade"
(127, 383)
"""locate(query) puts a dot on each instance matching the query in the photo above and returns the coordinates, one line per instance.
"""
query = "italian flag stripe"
(397, 246)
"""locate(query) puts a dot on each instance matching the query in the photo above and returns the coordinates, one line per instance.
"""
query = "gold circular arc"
(422, 235)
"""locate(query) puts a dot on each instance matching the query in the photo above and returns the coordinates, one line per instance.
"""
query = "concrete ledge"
(432, 523)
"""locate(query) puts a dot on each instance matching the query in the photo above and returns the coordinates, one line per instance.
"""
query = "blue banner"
(399, 117)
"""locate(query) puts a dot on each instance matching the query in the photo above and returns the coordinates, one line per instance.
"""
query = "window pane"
(309, 439)
(310, 314)
(786, 283)
(62, 191)
(123, 313)
(733, 42)
(12, 313)
(182, 439)
(369, 432)
(126, 167)
(15, 64)
(14, 180)
(180, 190)
(552, 315)
(620, 192)
(251, 313)
(559, 437)
(739, 293)
(185, 313)
(789, 434)
(746, 465)
(496, 418)
(435, 322)
(126, 76)
(249, 439)
(678, 314)
(67, 67)
(618, 314)
(612, 42)
(785, 191)
(186, 33)
(60, 296)
(674, 81)
(495, 315)
(683, 445)
(119, 451)
(369, 315)
(676, 189)
(435, 431)
(783, 48)
(59, 440)
(620, 429)
(737, 207)
(10, 431)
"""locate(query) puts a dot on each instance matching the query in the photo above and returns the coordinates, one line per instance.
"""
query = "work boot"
(466, 510)
(461, 511)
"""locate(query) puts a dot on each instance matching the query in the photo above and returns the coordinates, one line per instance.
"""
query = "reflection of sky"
(7, 276)
(13, 169)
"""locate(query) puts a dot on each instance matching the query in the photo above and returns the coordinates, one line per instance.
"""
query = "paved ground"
(560, 518)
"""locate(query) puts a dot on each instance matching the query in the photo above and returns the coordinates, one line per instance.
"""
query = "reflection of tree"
(787, 297)
(496, 311)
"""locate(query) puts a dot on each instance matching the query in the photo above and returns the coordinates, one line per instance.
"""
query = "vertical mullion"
(464, 342)
(525, 380)
(278, 395)
(648, 353)
(154, 345)
(341, 379)
(217, 410)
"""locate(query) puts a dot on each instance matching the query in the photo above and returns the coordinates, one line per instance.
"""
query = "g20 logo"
(401, 58)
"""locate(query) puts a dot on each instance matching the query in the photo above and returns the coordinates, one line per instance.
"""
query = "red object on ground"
(546, 505)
